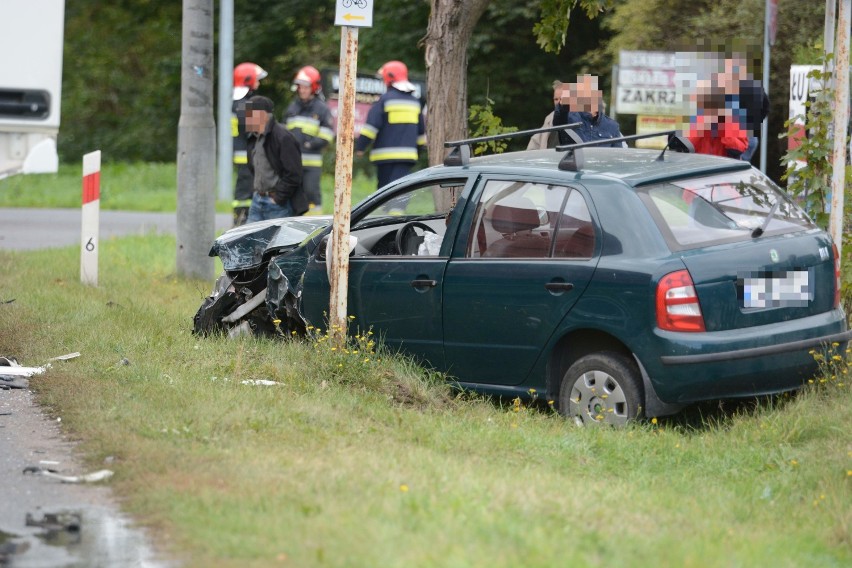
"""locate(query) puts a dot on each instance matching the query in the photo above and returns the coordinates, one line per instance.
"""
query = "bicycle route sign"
(355, 13)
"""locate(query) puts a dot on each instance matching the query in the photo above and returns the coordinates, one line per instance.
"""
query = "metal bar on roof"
(516, 134)
(611, 140)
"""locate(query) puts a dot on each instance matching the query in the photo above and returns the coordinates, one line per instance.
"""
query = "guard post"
(90, 218)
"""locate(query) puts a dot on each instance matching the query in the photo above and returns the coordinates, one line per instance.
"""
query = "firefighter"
(394, 126)
(247, 77)
(309, 120)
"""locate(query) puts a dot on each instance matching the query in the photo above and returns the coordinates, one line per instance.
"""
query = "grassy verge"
(361, 459)
(128, 187)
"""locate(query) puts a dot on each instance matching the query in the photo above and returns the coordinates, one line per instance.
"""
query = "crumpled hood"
(244, 247)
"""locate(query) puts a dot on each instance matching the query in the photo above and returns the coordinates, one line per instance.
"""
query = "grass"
(129, 187)
(362, 459)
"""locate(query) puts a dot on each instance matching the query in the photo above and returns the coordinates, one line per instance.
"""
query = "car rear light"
(836, 276)
(677, 303)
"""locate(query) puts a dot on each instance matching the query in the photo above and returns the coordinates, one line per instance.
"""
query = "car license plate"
(777, 289)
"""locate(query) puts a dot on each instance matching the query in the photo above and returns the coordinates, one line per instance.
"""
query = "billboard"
(368, 89)
(647, 84)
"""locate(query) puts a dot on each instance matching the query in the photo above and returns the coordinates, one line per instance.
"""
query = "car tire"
(602, 388)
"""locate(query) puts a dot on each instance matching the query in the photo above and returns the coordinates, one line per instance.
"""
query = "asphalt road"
(29, 229)
(43, 520)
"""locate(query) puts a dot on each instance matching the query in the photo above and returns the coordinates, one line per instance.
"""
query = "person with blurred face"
(275, 160)
(715, 128)
(584, 102)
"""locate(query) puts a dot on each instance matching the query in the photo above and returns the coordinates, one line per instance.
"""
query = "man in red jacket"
(715, 129)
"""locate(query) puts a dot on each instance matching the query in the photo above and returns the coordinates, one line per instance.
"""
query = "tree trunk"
(196, 159)
(450, 26)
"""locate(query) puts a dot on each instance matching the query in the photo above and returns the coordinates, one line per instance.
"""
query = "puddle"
(92, 537)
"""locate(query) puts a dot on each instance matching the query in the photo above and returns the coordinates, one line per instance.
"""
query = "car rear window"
(723, 208)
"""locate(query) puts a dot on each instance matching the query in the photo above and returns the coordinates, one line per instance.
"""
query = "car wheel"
(601, 388)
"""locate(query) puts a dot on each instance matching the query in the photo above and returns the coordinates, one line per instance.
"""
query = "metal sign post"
(770, 26)
(350, 14)
(841, 116)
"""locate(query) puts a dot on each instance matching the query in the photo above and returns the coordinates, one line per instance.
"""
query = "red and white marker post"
(91, 218)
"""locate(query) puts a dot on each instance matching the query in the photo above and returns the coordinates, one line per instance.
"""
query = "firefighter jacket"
(311, 123)
(243, 188)
(238, 129)
(395, 128)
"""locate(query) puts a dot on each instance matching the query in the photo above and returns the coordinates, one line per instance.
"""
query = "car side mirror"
(324, 250)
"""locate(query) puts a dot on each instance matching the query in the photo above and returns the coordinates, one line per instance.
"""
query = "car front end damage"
(260, 290)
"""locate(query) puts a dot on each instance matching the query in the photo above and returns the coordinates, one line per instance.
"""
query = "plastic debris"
(93, 477)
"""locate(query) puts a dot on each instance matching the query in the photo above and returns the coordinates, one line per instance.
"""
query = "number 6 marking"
(90, 246)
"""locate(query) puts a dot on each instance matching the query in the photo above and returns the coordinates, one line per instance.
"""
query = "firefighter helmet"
(393, 71)
(395, 74)
(308, 76)
(247, 78)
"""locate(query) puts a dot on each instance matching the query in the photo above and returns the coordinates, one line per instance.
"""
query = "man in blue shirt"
(583, 102)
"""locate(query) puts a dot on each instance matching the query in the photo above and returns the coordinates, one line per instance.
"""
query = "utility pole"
(841, 120)
(196, 158)
(226, 84)
(828, 36)
(770, 22)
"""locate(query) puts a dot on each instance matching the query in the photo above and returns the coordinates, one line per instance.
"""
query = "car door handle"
(559, 286)
(424, 283)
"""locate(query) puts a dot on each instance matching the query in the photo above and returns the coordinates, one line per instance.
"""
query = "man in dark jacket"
(275, 161)
(748, 98)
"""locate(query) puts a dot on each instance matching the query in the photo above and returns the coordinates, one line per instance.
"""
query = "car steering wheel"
(402, 235)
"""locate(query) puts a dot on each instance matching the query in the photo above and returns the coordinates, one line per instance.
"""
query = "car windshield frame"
(721, 208)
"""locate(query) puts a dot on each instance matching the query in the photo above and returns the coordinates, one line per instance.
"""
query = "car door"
(397, 297)
(530, 251)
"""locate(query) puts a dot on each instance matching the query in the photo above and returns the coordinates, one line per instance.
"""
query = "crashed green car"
(619, 283)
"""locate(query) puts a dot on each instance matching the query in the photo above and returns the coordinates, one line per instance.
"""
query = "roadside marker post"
(350, 15)
(91, 218)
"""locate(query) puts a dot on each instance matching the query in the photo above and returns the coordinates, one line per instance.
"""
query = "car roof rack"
(460, 153)
(573, 159)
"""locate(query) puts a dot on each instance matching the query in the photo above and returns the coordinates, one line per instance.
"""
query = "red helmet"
(308, 76)
(393, 71)
(247, 78)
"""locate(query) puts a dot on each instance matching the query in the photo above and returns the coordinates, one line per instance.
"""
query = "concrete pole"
(339, 258)
(226, 84)
(828, 35)
(764, 127)
(841, 119)
(196, 158)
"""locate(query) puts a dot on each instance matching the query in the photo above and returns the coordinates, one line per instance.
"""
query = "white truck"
(31, 42)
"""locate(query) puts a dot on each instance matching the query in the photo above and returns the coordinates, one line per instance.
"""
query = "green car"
(619, 283)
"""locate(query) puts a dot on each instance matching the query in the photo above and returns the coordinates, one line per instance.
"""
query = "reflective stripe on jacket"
(394, 127)
(311, 123)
